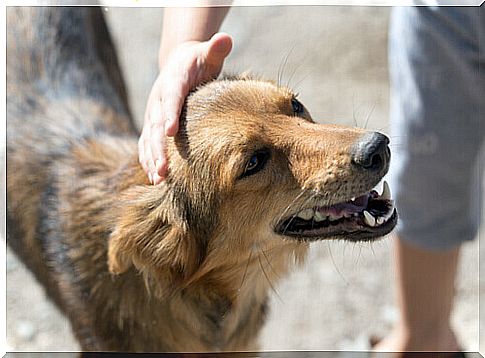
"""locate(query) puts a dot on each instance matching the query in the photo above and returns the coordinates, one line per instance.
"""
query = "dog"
(186, 265)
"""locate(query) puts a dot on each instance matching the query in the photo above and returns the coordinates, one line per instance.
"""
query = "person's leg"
(436, 90)
(425, 287)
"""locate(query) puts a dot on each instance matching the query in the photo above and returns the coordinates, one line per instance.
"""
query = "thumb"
(217, 49)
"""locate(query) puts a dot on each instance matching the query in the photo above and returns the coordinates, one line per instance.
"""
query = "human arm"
(190, 53)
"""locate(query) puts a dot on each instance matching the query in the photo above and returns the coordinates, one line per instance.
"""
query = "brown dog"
(186, 265)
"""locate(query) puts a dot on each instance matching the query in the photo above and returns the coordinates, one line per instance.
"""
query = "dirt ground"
(335, 57)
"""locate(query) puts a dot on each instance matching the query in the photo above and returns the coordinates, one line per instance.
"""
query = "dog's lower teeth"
(318, 216)
(306, 214)
(369, 219)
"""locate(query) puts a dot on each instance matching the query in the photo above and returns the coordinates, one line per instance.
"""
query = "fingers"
(219, 47)
(142, 157)
(145, 155)
(215, 52)
(151, 145)
(161, 119)
(173, 101)
(211, 56)
(161, 166)
(152, 156)
(157, 162)
(186, 69)
(156, 145)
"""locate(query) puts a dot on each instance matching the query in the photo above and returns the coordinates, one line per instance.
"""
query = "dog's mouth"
(363, 218)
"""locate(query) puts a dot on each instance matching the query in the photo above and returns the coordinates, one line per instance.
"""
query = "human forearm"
(188, 24)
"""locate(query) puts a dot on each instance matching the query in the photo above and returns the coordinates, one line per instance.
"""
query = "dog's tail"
(62, 54)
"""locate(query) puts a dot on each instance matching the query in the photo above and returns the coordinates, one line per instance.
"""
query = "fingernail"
(158, 164)
(156, 179)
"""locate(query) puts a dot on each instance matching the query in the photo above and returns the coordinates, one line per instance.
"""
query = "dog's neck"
(153, 257)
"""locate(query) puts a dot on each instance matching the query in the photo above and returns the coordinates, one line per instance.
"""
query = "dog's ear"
(148, 234)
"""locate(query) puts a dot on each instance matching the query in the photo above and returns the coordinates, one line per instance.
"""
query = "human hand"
(188, 65)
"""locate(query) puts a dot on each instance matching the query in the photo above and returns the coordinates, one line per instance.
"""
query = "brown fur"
(183, 266)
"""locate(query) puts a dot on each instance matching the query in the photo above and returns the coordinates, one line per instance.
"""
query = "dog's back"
(60, 64)
(64, 89)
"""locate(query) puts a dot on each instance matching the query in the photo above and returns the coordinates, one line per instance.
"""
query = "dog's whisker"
(295, 214)
(303, 191)
(293, 73)
(381, 129)
(359, 255)
(289, 206)
(280, 70)
(335, 265)
(246, 269)
(296, 86)
(283, 66)
(267, 279)
(354, 119)
(370, 114)
(353, 111)
(302, 205)
(372, 249)
(269, 263)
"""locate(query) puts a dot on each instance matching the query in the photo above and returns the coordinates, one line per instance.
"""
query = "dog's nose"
(371, 152)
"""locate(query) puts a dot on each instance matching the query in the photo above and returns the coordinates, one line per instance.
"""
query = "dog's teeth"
(318, 216)
(333, 218)
(386, 192)
(390, 212)
(380, 220)
(306, 214)
(356, 214)
(369, 219)
(353, 199)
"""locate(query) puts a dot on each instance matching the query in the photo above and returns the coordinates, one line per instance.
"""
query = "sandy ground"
(335, 57)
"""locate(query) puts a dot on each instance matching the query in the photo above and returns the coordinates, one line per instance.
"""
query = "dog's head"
(249, 168)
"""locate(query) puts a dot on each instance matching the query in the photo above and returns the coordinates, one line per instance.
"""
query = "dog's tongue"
(346, 209)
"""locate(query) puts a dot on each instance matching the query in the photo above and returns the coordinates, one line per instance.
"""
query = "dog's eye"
(256, 163)
(297, 106)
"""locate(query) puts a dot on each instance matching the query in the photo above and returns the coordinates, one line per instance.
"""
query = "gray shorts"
(437, 125)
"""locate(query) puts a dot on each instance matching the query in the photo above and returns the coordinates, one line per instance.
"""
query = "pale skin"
(425, 290)
(192, 52)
